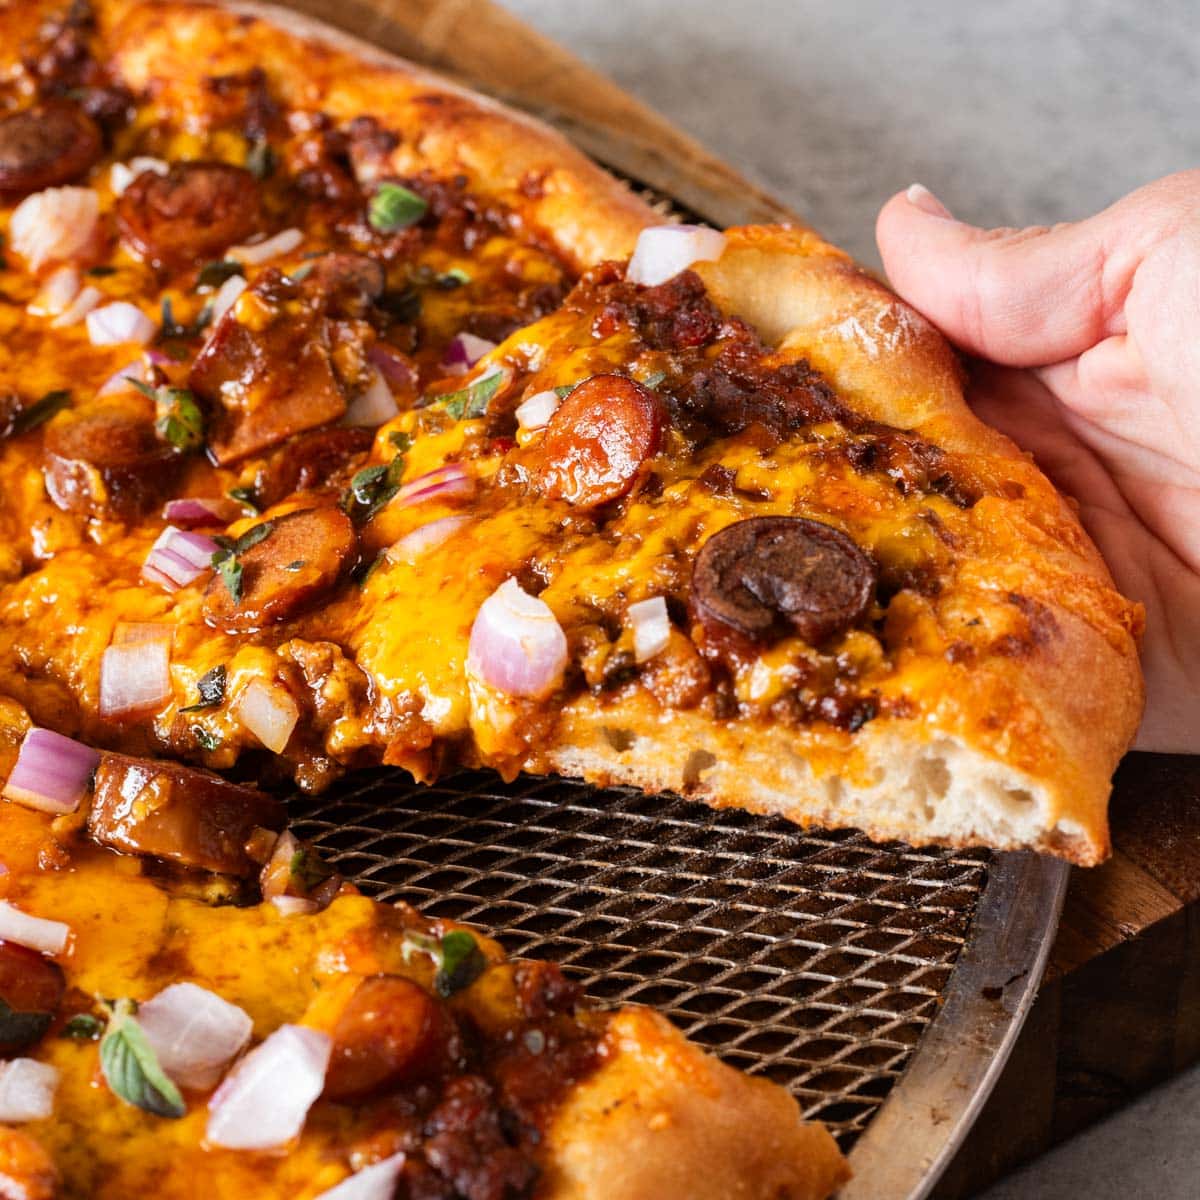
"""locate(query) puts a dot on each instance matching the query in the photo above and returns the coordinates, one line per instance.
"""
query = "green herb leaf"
(260, 159)
(456, 277)
(245, 495)
(226, 565)
(101, 271)
(211, 686)
(653, 379)
(181, 422)
(394, 207)
(400, 441)
(213, 274)
(472, 402)
(462, 963)
(204, 739)
(563, 392)
(22, 1028)
(83, 1027)
(132, 1069)
(372, 488)
(297, 564)
(40, 411)
(362, 573)
(254, 535)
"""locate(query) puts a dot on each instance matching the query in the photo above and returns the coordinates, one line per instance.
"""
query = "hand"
(1089, 341)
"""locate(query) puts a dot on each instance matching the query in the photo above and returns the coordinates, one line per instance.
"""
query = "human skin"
(1083, 345)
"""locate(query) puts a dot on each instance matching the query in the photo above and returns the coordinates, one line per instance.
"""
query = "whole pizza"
(347, 419)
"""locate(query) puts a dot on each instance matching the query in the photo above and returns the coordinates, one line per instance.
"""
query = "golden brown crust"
(662, 1119)
(584, 212)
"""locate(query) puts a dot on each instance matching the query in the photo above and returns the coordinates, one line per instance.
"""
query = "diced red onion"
(121, 175)
(201, 510)
(374, 406)
(38, 933)
(226, 295)
(269, 713)
(376, 1182)
(261, 252)
(142, 631)
(465, 350)
(134, 677)
(276, 875)
(265, 1099)
(195, 1033)
(445, 483)
(79, 308)
(535, 413)
(122, 380)
(425, 538)
(119, 322)
(651, 627)
(665, 250)
(295, 906)
(396, 369)
(56, 294)
(51, 772)
(178, 558)
(53, 225)
(27, 1090)
(517, 645)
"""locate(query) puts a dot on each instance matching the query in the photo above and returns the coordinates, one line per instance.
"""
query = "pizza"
(351, 419)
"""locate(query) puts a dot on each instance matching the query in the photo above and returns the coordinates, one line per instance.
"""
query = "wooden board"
(1119, 1010)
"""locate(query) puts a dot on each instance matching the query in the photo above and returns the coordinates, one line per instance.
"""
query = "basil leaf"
(131, 1067)
(40, 411)
(462, 963)
(653, 379)
(245, 495)
(182, 423)
(472, 402)
(297, 564)
(211, 686)
(394, 207)
(204, 739)
(226, 565)
(254, 535)
(456, 277)
(371, 488)
(101, 271)
(260, 159)
(83, 1027)
(563, 392)
(213, 274)
(401, 442)
(21, 1029)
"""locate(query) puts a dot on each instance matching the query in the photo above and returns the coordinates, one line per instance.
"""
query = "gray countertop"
(1014, 112)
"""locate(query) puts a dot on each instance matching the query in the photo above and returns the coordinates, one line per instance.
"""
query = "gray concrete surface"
(1014, 112)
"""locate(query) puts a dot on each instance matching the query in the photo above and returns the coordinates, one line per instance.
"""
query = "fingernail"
(921, 197)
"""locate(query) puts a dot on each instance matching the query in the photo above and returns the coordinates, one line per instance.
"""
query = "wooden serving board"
(1119, 1009)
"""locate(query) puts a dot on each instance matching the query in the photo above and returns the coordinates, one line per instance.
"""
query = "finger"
(1027, 297)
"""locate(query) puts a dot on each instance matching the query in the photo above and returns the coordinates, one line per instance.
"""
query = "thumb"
(1026, 297)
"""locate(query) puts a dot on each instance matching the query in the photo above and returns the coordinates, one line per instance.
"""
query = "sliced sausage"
(165, 810)
(31, 989)
(50, 144)
(194, 211)
(310, 461)
(265, 384)
(107, 461)
(768, 574)
(598, 443)
(346, 284)
(297, 563)
(391, 1032)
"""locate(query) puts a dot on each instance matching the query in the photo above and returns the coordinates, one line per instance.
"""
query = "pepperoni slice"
(597, 444)
(50, 144)
(107, 461)
(165, 810)
(194, 211)
(390, 1032)
(768, 574)
(31, 988)
(297, 563)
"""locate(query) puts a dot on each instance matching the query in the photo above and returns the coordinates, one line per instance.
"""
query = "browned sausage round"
(196, 210)
(390, 1032)
(767, 574)
(165, 810)
(31, 989)
(311, 461)
(47, 145)
(106, 461)
(297, 563)
(346, 284)
(598, 442)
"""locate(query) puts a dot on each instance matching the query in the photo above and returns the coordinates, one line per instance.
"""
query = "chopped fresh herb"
(229, 570)
(394, 207)
(403, 306)
(301, 273)
(254, 535)
(40, 411)
(456, 277)
(400, 441)
(244, 495)
(563, 392)
(213, 274)
(22, 1028)
(211, 686)
(653, 379)
(101, 271)
(83, 1027)
(296, 565)
(372, 488)
(307, 871)
(260, 159)
(362, 573)
(181, 422)
(457, 957)
(472, 401)
(204, 739)
(172, 330)
(132, 1069)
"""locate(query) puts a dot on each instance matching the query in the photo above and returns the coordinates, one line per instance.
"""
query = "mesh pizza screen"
(817, 959)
